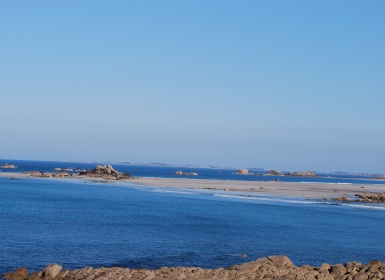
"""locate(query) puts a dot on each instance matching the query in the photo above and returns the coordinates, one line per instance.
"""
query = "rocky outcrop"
(301, 174)
(274, 173)
(273, 267)
(242, 172)
(368, 197)
(100, 171)
(8, 166)
(180, 172)
(105, 172)
(294, 174)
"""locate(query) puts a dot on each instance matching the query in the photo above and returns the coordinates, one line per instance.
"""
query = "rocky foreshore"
(273, 267)
(368, 197)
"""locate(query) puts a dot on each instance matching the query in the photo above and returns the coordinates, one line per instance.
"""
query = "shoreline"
(272, 267)
(305, 190)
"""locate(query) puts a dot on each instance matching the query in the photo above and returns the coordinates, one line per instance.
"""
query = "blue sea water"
(77, 224)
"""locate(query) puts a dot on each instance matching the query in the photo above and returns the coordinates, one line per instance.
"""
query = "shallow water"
(80, 224)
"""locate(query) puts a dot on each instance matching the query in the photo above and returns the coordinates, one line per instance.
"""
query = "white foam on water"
(168, 191)
(268, 199)
(366, 206)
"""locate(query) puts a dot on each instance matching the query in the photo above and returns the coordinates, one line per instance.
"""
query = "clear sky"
(289, 85)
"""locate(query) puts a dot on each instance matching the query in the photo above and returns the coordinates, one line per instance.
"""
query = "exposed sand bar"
(297, 189)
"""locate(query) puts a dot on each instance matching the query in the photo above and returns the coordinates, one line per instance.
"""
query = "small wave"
(168, 191)
(268, 199)
(365, 206)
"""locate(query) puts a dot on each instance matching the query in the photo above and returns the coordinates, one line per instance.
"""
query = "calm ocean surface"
(79, 224)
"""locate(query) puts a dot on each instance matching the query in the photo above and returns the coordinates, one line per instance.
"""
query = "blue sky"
(289, 85)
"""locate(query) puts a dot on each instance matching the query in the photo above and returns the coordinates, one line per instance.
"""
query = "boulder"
(50, 271)
(280, 260)
(18, 274)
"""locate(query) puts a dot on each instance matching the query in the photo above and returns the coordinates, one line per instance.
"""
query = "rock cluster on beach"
(369, 197)
(273, 267)
(105, 172)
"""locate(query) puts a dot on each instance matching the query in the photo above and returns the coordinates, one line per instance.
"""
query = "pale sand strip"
(304, 190)
(298, 189)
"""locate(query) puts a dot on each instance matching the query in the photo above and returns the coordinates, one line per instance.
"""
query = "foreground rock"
(105, 172)
(368, 197)
(273, 267)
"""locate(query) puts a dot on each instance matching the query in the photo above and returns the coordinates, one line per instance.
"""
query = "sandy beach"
(297, 189)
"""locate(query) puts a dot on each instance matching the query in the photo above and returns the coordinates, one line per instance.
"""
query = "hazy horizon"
(273, 84)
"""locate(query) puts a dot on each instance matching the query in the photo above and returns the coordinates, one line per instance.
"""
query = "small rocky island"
(294, 174)
(243, 172)
(8, 166)
(180, 172)
(100, 171)
(273, 267)
(105, 172)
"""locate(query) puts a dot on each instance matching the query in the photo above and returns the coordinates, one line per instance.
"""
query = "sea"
(78, 223)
